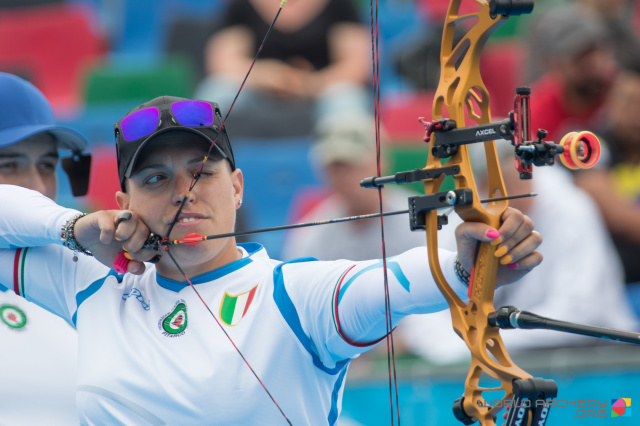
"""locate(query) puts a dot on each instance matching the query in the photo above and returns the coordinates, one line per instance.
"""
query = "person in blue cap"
(39, 356)
(30, 139)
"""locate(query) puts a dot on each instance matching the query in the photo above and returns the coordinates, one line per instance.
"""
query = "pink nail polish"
(513, 265)
(493, 234)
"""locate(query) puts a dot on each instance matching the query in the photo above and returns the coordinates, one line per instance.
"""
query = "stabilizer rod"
(508, 317)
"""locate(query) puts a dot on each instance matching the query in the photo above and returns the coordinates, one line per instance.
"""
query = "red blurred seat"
(51, 46)
(400, 115)
(103, 182)
(502, 68)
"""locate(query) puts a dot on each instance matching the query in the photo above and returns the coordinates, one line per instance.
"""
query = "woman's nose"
(182, 190)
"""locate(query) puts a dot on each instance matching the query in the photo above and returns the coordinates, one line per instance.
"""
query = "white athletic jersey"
(151, 353)
(37, 365)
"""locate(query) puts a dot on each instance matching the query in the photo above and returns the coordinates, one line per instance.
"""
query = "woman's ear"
(237, 180)
(122, 198)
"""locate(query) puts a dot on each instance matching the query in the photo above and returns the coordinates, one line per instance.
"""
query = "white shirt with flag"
(150, 352)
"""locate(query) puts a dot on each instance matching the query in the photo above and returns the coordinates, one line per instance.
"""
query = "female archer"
(149, 351)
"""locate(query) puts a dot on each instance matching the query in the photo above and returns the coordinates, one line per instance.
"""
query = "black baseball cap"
(128, 152)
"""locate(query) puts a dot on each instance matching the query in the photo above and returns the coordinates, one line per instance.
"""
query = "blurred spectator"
(5, 4)
(571, 43)
(344, 155)
(315, 62)
(419, 61)
(38, 373)
(580, 279)
(615, 186)
(618, 17)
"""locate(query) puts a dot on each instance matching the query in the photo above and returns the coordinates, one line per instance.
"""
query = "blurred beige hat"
(569, 31)
(349, 139)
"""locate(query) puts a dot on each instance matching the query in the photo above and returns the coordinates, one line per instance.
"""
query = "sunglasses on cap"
(160, 115)
(187, 113)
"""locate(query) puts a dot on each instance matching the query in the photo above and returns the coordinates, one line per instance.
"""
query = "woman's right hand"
(106, 233)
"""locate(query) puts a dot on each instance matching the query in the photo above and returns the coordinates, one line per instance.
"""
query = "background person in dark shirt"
(615, 186)
(316, 63)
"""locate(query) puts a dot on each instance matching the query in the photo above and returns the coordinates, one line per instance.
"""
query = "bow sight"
(575, 150)
(579, 150)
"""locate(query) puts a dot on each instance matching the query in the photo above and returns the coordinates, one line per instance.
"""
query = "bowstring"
(197, 174)
(228, 337)
(391, 360)
(194, 181)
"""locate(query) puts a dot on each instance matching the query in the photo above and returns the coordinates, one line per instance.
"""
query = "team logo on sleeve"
(13, 316)
(234, 308)
(174, 323)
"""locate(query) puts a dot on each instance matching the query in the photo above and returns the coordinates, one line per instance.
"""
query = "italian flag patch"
(234, 308)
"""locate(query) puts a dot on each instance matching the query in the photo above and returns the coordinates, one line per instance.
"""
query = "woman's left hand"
(515, 241)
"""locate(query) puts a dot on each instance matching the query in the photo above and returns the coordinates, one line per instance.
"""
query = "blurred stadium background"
(97, 59)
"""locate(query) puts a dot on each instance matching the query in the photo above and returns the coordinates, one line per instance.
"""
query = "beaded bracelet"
(68, 238)
(461, 273)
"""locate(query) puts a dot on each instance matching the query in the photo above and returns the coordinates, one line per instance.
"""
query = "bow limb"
(461, 93)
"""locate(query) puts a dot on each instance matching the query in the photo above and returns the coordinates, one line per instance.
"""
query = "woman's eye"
(8, 167)
(154, 179)
(47, 168)
(207, 172)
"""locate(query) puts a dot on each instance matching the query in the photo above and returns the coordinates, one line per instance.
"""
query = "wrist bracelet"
(461, 273)
(68, 238)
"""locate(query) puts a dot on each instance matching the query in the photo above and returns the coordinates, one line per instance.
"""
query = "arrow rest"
(420, 204)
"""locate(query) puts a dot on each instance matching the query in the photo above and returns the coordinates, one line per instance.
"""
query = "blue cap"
(24, 112)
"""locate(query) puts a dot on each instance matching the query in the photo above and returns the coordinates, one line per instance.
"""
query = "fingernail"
(117, 239)
(493, 234)
(501, 251)
(513, 265)
(155, 259)
(506, 259)
(495, 237)
(124, 216)
(127, 255)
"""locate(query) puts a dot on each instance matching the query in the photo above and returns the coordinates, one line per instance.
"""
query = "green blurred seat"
(402, 158)
(119, 81)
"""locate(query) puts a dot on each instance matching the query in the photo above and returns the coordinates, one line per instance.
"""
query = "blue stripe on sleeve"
(393, 266)
(91, 290)
(289, 313)
(333, 414)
